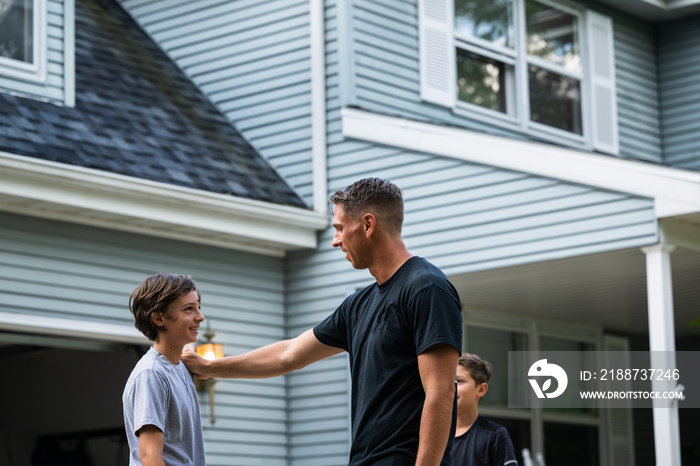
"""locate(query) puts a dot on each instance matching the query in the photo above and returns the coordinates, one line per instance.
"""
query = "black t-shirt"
(384, 328)
(484, 444)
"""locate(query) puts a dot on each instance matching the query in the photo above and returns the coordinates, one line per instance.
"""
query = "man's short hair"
(377, 196)
(154, 295)
(479, 369)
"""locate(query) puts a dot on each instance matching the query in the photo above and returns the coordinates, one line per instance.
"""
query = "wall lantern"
(210, 351)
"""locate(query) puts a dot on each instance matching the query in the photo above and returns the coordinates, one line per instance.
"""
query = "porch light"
(209, 351)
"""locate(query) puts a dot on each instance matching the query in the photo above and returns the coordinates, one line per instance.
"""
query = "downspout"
(319, 175)
(318, 106)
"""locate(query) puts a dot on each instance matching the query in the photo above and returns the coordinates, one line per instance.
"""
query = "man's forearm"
(436, 421)
(268, 361)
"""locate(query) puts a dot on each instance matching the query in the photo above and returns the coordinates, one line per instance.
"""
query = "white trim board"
(55, 326)
(58, 191)
(675, 191)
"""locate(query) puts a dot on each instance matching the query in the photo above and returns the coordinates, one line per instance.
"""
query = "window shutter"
(602, 83)
(437, 52)
(618, 425)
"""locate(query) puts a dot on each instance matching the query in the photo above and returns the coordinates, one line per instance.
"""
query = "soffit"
(656, 10)
(607, 290)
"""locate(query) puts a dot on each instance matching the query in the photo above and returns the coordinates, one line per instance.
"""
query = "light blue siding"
(469, 217)
(679, 48)
(637, 91)
(462, 217)
(80, 273)
(384, 75)
(252, 60)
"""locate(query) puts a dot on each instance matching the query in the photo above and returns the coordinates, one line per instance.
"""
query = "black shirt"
(484, 444)
(384, 328)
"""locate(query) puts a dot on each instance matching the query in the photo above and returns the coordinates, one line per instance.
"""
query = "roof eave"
(675, 191)
(57, 191)
(656, 10)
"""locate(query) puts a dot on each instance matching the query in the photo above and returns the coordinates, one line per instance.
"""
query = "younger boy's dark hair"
(479, 369)
(154, 295)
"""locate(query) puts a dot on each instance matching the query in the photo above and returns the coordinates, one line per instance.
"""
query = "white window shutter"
(437, 52)
(602, 83)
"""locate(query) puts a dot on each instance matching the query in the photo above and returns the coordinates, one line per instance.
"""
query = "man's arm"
(151, 441)
(269, 361)
(437, 368)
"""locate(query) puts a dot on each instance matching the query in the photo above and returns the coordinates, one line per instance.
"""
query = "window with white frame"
(535, 65)
(22, 31)
(600, 434)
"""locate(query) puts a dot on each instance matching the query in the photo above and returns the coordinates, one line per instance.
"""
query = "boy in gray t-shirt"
(161, 413)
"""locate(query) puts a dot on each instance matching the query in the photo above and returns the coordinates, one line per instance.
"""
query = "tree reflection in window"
(555, 100)
(490, 20)
(551, 35)
(481, 80)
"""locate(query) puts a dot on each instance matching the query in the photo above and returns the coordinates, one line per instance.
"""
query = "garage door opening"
(61, 400)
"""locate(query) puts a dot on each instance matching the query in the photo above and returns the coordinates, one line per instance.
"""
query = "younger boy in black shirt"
(478, 441)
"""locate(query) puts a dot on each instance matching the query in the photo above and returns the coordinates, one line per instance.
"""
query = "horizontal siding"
(59, 270)
(462, 217)
(385, 68)
(637, 92)
(384, 77)
(252, 59)
(477, 217)
(678, 49)
(53, 87)
(319, 395)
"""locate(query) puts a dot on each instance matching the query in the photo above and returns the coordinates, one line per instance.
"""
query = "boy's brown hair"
(479, 369)
(153, 296)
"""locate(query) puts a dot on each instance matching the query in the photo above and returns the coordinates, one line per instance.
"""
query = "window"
(492, 335)
(524, 64)
(22, 39)
(493, 345)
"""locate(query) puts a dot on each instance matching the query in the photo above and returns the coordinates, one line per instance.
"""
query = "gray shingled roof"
(137, 114)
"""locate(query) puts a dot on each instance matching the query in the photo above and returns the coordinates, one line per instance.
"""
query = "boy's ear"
(158, 319)
(482, 389)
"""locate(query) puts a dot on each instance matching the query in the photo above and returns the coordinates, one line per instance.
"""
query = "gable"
(136, 114)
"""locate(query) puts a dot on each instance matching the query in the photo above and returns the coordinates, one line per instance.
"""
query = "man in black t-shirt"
(403, 334)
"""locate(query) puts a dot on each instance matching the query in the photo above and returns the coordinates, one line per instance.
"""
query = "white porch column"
(662, 339)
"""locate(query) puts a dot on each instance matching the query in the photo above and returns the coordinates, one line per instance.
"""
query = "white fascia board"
(55, 326)
(58, 191)
(675, 191)
(675, 4)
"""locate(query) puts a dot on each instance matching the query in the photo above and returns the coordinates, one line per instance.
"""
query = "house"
(115, 166)
(548, 153)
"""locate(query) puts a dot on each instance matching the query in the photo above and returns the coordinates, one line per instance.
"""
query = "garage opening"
(60, 400)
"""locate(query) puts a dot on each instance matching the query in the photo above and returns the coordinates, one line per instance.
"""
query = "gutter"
(56, 191)
(318, 106)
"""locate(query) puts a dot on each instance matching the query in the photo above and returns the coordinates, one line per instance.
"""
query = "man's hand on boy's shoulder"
(194, 363)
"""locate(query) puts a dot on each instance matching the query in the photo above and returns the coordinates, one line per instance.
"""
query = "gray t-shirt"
(162, 394)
